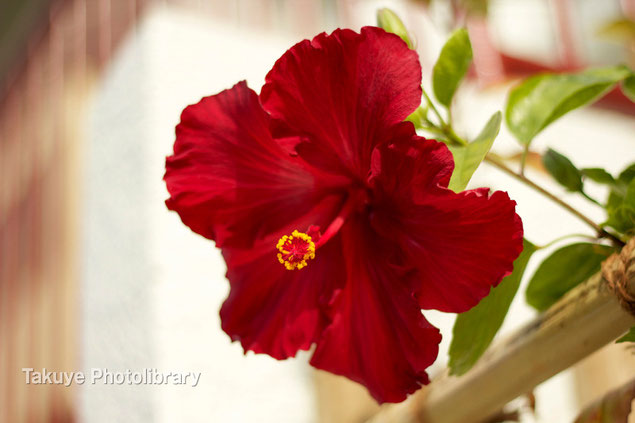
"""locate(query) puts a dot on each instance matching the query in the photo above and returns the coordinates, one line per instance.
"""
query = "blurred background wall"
(51, 53)
(72, 75)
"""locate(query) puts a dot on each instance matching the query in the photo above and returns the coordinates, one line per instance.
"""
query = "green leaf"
(474, 7)
(621, 210)
(627, 175)
(451, 66)
(619, 217)
(542, 99)
(629, 199)
(628, 87)
(474, 330)
(418, 116)
(620, 207)
(467, 158)
(562, 271)
(562, 170)
(598, 175)
(629, 337)
(390, 22)
(621, 30)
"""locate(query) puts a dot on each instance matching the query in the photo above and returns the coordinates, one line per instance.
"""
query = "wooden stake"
(587, 318)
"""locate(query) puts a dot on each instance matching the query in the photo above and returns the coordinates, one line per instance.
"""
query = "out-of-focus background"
(96, 273)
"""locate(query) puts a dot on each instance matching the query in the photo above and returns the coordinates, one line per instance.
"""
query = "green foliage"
(627, 175)
(475, 7)
(629, 337)
(475, 329)
(468, 157)
(390, 22)
(621, 210)
(562, 170)
(598, 175)
(620, 206)
(418, 116)
(562, 271)
(628, 87)
(451, 66)
(542, 99)
(620, 30)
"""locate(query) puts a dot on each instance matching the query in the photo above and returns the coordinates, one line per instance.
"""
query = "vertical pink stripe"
(628, 7)
(31, 227)
(104, 30)
(80, 23)
(487, 60)
(59, 313)
(566, 37)
(4, 252)
(54, 244)
(14, 140)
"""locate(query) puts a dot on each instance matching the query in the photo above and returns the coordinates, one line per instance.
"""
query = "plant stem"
(591, 199)
(452, 136)
(523, 160)
(433, 129)
(434, 108)
(562, 238)
(445, 131)
(602, 233)
(445, 128)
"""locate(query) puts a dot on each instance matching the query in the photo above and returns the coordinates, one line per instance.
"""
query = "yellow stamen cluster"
(295, 250)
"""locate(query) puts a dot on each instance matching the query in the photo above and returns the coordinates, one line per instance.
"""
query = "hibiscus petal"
(461, 244)
(409, 165)
(378, 337)
(343, 91)
(277, 311)
(229, 180)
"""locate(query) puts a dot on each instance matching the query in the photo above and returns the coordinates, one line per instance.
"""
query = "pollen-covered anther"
(295, 250)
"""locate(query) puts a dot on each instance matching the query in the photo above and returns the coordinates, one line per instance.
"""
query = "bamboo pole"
(590, 316)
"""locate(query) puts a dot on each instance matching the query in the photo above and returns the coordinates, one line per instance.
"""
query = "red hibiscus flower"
(333, 216)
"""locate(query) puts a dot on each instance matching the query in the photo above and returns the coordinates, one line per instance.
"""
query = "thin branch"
(434, 108)
(602, 233)
(562, 238)
(591, 199)
(523, 159)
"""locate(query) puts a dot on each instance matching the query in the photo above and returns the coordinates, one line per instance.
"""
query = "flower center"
(295, 250)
